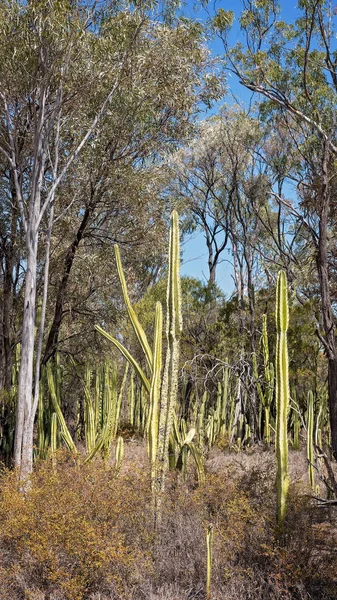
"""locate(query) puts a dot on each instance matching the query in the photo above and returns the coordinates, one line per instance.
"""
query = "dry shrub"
(78, 530)
(249, 560)
(83, 534)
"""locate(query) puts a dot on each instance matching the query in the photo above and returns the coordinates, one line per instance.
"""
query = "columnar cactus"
(64, 431)
(209, 544)
(155, 396)
(269, 380)
(119, 454)
(162, 390)
(173, 331)
(282, 397)
(310, 439)
(266, 394)
(53, 433)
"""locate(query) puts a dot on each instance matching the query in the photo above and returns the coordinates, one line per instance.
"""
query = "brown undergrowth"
(82, 533)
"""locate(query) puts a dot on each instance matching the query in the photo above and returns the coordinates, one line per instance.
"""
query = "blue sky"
(194, 261)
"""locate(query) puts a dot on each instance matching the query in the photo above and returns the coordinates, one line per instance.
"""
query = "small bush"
(78, 530)
(81, 533)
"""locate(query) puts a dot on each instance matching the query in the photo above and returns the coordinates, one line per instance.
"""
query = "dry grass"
(83, 534)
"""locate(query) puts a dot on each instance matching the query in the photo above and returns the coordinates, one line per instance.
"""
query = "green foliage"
(223, 20)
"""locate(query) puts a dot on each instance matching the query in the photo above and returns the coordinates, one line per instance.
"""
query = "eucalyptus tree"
(66, 71)
(292, 67)
(151, 113)
(220, 182)
(196, 181)
(223, 185)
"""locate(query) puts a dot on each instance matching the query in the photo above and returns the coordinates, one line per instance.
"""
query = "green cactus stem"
(310, 439)
(209, 545)
(65, 434)
(282, 398)
(119, 454)
(155, 396)
(173, 332)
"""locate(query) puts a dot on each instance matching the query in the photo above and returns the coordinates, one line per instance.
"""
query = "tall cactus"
(310, 439)
(64, 431)
(282, 397)
(162, 390)
(155, 396)
(209, 545)
(266, 394)
(173, 332)
(269, 380)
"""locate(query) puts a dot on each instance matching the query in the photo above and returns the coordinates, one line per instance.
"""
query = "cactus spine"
(282, 397)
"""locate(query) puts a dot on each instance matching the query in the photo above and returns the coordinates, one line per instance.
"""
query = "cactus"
(103, 441)
(310, 439)
(53, 433)
(201, 417)
(209, 545)
(282, 398)
(224, 399)
(55, 401)
(42, 437)
(139, 331)
(173, 332)
(155, 396)
(268, 380)
(119, 454)
(119, 399)
(186, 447)
(296, 421)
(162, 392)
(89, 413)
(266, 394)
(145, 381)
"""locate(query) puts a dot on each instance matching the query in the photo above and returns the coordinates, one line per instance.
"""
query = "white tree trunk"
(24, 427)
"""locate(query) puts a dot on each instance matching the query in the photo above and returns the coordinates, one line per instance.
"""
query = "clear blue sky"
(194, 261)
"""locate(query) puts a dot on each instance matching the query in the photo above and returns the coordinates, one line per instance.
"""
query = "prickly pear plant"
(282, 397)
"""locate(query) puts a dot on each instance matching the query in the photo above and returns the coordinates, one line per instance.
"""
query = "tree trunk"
(332, 393)
(52, 340)
(327, 312)
(7, 298)
(8, 292)
(23, 447)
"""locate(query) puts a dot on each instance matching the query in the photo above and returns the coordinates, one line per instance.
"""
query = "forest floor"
(83, 533)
